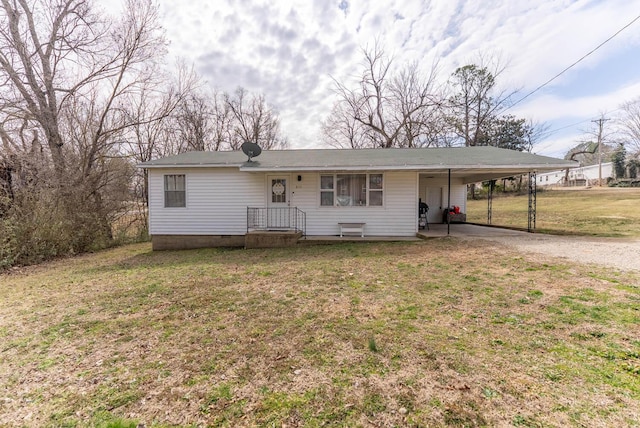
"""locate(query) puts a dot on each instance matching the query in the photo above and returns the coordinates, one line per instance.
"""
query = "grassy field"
(431, 333)
(596, 211)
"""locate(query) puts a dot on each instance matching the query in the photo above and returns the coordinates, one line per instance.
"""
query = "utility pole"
(600, 123)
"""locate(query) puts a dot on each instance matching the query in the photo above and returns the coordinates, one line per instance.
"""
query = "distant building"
(581, 176)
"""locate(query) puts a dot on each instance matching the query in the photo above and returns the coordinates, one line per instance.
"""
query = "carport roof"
(470, 163)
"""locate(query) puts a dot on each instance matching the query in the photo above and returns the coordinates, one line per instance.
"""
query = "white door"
(434, 200)
(278, 201)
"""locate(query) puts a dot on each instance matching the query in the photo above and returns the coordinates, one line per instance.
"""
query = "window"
(375, 190)
(174, 191)
(326, 191)
(351, 190)
(278, 190)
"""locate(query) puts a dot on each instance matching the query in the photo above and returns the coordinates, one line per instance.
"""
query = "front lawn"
(596, 211)
(432, 333)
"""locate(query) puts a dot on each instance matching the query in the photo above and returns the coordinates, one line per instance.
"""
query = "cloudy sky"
(290, 50)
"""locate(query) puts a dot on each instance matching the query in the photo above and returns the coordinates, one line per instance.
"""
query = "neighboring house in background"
(579, 176)
(203, 199)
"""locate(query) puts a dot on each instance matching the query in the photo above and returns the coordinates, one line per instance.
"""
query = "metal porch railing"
(280, 218)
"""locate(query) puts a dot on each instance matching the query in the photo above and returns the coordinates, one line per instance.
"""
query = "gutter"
(248, 168)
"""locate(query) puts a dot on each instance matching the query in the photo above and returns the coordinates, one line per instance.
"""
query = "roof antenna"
(252, 150)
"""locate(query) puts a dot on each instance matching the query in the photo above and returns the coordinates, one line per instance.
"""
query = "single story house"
(580, 176)
(203, 199)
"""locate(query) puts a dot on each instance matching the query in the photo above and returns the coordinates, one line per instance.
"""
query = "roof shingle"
(383, 159)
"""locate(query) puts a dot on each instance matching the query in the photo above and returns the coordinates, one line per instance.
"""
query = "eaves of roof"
(427, 159)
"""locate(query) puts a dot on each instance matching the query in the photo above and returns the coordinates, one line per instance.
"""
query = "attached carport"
(490, 166)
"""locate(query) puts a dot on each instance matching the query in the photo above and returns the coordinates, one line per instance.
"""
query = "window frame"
(332, 189)
(165, 190)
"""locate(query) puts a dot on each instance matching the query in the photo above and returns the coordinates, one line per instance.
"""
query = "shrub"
(41, 224)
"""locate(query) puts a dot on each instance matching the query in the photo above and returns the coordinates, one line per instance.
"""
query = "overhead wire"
(553, 131)
(574, 64)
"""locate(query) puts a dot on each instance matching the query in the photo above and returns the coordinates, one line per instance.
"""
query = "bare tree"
(29, 57)
(211, 120)
(390, 110)
(341, 130)
(536, 131)
(630, 124)
(255, 121)
(223, 122)
(70, 78)
(415, 105)
(206, 121)
(54, 55)
(194, 118)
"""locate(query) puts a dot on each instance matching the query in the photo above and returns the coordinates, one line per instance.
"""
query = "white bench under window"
(352, 228)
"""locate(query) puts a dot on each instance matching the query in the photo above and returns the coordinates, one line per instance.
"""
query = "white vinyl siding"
(216, 201)
(396, 217)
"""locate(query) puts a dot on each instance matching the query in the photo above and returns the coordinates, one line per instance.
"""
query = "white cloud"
(290, 50)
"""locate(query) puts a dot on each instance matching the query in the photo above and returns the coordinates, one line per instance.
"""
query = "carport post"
(492, 184)
(449, 203)
(531, 227)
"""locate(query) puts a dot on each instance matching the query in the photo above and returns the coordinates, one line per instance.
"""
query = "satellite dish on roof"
(251, 149)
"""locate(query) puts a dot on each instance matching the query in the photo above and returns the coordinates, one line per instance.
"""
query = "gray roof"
(473, 163)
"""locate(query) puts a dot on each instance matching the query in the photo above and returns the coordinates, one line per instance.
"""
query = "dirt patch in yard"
(611, 252)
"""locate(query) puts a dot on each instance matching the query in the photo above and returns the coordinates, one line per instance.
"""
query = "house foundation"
(187, 242)
(271, 238)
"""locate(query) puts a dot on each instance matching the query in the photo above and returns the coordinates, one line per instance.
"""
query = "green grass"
(597, 211)
(431, 333)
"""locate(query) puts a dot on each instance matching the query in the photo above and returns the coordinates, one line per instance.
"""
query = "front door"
(278, 201)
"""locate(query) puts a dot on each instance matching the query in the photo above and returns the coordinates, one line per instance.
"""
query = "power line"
(574, 64)
(553, 131)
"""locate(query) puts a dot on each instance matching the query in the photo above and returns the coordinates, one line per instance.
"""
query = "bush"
(46, 212)
(41, 224)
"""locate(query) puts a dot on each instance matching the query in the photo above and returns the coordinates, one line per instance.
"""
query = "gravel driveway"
(619, 253)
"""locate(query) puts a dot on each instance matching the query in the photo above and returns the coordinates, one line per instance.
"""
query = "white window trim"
(368, 190)
(164, 192)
